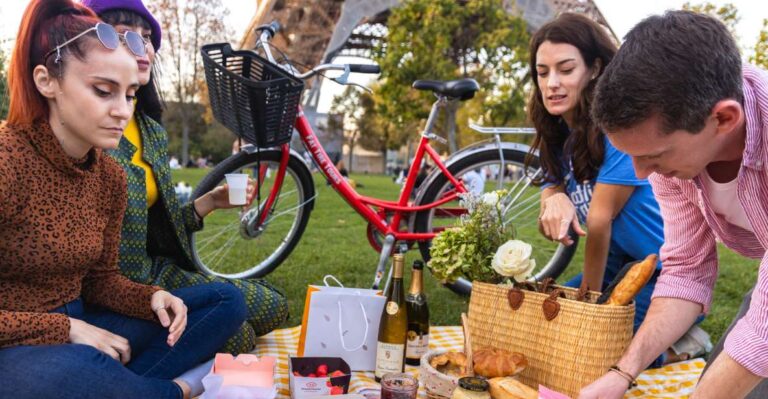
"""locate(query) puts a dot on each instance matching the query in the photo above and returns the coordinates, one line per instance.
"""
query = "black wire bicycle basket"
(252, 97)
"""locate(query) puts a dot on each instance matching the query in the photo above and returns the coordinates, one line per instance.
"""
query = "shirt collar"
(41, 137)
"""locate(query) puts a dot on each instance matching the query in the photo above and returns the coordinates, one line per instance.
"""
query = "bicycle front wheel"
(234, 243)
(521, 207)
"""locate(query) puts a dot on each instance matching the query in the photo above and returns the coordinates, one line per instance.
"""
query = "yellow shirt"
(132, 134)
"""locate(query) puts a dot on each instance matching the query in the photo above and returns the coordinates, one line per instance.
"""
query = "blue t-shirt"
(637, 230)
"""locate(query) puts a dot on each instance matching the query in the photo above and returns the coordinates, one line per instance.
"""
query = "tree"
(449, 39)
(344, 116)
(187, 25)
(727, 13)
(760, 57)
(377, 131)
(3, 86)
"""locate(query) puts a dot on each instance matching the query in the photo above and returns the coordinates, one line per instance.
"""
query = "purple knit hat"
(100, 6)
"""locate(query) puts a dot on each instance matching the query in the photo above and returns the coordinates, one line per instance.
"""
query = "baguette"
(511, 388)
(634, 281)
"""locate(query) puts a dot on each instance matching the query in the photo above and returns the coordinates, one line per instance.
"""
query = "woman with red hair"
(70, 324)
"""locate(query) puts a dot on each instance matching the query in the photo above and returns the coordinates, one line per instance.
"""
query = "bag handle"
(332, 278)
(341, 328)
(546, 285)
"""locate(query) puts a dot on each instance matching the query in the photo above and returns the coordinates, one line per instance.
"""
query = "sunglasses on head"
(109, 38)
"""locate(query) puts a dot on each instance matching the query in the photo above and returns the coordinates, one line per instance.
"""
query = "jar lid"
(476, 384)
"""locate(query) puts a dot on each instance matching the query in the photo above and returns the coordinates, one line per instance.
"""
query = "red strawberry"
(296, 374)
(328, 383)
(322, 370)
(337, 390)
(312, 375)
(337, 373)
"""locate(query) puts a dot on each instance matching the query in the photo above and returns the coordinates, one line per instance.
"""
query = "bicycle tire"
(253, 247)
(560, 255)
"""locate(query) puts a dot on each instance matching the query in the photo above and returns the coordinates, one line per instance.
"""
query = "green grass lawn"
(335, 243)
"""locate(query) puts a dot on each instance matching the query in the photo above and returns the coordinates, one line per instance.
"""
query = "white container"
(238, 187)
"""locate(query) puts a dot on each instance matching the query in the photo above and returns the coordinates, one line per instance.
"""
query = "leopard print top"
(60, 224)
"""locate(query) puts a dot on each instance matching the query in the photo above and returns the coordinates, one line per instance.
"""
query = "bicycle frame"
(364, 205)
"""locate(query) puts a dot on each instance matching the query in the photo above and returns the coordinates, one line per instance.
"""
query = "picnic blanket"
(672, 381)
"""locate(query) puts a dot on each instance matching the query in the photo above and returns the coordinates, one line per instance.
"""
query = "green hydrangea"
(467, 250)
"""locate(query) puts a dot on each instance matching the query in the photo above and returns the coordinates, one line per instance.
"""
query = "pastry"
(633, 281)
(450, 363)
(511, 388)
(490, 362)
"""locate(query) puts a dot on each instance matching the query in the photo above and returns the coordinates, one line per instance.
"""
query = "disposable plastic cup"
(238, 186)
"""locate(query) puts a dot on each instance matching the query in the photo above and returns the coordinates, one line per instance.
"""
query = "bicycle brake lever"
(342, 80)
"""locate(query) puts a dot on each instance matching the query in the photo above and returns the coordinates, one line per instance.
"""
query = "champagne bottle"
(418, 318)
(390, 350)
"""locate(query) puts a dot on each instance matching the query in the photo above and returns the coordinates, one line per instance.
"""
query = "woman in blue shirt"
(586, 180)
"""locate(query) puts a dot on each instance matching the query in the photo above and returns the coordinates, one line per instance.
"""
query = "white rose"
(491, 198)
(513, 260)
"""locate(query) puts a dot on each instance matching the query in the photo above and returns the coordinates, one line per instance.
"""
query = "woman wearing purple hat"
(155, 246)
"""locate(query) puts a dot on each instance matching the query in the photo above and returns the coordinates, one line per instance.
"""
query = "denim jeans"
(215, 312)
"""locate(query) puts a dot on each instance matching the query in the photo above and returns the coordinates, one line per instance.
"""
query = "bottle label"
(389, 358)
(417, 345)
(392, 308)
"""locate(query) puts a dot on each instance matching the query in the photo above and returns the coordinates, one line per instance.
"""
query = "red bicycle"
(258, 100)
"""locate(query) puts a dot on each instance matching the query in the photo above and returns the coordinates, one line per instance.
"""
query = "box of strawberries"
(315, 376)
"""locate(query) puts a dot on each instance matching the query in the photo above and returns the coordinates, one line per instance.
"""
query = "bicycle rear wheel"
(232, 244)
(522, 208)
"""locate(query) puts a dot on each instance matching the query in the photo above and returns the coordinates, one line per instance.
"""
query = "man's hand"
(171, 312)
(557, 215)
(609, 386)
(111, 344)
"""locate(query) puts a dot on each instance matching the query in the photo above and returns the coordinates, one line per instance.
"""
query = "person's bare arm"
(666, 321)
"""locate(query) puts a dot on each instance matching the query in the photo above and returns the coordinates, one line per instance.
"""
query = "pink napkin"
(546, 393)
(245, 370)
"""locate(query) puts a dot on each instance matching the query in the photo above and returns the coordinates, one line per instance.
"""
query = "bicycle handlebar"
(361, 68)
(272, 28)
(269, 31)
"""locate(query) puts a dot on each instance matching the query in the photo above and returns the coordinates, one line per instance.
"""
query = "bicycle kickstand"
(386, 249)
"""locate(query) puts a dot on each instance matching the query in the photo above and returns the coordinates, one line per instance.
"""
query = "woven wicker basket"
(564, 353)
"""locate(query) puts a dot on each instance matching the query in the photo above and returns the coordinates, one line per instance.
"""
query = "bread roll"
(489, 362)
(511, 388)
(634, 281)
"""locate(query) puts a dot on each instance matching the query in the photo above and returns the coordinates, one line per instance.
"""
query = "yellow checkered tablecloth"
(672, 381)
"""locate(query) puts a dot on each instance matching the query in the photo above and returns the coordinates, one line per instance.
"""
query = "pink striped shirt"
(691, 228)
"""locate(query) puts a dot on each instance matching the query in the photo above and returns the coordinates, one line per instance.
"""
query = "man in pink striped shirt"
(695, 121)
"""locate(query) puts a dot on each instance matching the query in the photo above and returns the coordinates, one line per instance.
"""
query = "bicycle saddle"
(463, 89)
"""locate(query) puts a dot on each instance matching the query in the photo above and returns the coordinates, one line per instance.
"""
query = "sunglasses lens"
(135, 43)
(107, 35)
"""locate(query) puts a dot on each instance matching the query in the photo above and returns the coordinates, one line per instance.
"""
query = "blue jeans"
(215, 313)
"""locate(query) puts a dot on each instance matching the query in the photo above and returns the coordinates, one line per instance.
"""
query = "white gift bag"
(341, 322)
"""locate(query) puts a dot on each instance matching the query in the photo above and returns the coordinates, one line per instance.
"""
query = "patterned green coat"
(155, 248)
